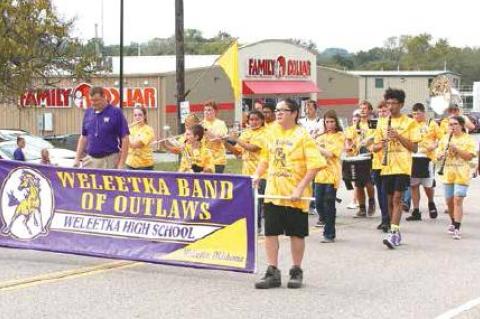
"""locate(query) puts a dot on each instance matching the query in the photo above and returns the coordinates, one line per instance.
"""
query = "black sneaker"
(385, 228)
(271, 279)
(432, 210)
(371, 207)
(296, 278)
(380, 226)
(416, 215)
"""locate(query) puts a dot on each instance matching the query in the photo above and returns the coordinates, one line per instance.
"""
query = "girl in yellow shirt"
(140, 153)
(196, 157)
(330, 144)
(455, 152)
(248, 146)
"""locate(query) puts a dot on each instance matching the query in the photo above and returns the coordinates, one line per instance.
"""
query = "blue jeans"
(325, 195)
(407, 197)
(382, 197)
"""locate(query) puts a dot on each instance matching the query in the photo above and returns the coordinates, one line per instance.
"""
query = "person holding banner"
(196, 157)
(330, 145)
(215, 132)
(104, 134)
(455, 152)
(292, 160)
(140, 153)
(248, 146)
(423, 172)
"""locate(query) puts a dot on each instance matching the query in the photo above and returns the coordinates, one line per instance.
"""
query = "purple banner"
(197, 220)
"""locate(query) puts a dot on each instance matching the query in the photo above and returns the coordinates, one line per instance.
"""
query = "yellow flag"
(229, 63)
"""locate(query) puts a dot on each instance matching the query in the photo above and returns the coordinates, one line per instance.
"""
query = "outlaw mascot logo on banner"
(27, 204)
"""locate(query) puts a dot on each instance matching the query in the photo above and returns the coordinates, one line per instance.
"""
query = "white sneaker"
(456, 234)
(352, 205)
(451, 229)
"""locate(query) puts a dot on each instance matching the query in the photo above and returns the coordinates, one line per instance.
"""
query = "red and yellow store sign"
(80, 97)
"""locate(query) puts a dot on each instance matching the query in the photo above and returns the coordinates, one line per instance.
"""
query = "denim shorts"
(455, 190)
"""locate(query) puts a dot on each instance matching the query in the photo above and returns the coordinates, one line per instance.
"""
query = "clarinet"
(385, 144)
(444, 160)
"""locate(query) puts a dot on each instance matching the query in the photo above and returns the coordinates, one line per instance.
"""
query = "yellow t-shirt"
(200, 156)
(429, 134)
(377, 157)
(358, 134)
(444, 127)
(143, 156)
(216, 127)
(457, 170)
(331, 174)
(399, 159)
(251, 159)
(289, 154)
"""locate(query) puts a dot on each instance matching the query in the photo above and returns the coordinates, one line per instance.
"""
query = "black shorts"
(284, 220)
(395, 183)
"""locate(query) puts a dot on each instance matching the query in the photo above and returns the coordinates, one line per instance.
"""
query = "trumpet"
(444, 160)
(385, 144)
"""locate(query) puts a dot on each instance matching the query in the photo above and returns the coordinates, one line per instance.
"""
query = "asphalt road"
(356, 277)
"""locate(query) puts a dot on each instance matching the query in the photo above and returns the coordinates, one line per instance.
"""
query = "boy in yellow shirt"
(216, 130)
(292, 160)
(401, 137)
(422, 164)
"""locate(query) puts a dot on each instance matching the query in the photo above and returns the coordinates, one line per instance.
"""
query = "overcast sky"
(350, 24)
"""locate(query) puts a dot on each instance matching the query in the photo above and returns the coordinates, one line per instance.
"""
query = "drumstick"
(338, 200)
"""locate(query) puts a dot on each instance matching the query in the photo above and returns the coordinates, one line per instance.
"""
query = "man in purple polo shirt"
(104, 134)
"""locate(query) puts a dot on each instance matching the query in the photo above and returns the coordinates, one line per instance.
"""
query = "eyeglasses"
(417, 113)
(392, 103)
(453, 124)
(282, 110)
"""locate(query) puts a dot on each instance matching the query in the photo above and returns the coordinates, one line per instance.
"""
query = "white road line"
(462, 308)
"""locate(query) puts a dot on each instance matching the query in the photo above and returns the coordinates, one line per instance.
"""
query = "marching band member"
(269, 114)
(248, 146)
(455, 152)
(292, 160)
(357, 138)
(330, 144)
(175, 145)
(383, 113)
(311, 122)
(215, 131)
(422, 166)
(399, 136)
(454, 110)
(349, 147)
(140, 153)
(196, 157)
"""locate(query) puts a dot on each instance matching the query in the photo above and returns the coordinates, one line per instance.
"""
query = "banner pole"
(255, 209)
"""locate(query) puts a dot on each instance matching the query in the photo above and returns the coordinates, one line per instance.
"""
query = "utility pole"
(180, 58)
(120, 87)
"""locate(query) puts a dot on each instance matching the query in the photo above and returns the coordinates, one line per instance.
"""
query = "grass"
(234, 166)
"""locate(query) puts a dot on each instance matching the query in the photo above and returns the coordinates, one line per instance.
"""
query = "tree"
(36, 46)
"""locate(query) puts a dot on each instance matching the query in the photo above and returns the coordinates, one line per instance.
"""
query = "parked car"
(58, 156)
(30, 140)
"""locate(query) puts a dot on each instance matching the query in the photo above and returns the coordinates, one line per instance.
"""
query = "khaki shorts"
(107, 162)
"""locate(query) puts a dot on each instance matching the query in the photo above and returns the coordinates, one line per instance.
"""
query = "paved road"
(357, 277)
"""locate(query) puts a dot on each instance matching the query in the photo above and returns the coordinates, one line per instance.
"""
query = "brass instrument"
(444, 160)
(385, 143)
(442, 95)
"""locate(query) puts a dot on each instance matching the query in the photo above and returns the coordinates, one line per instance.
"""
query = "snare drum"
(357, 168)
(420, 166)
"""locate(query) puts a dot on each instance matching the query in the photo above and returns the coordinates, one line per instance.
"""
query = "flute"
(385, 144)
(444, 160)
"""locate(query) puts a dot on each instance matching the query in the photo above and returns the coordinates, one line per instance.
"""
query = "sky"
(353, 25)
